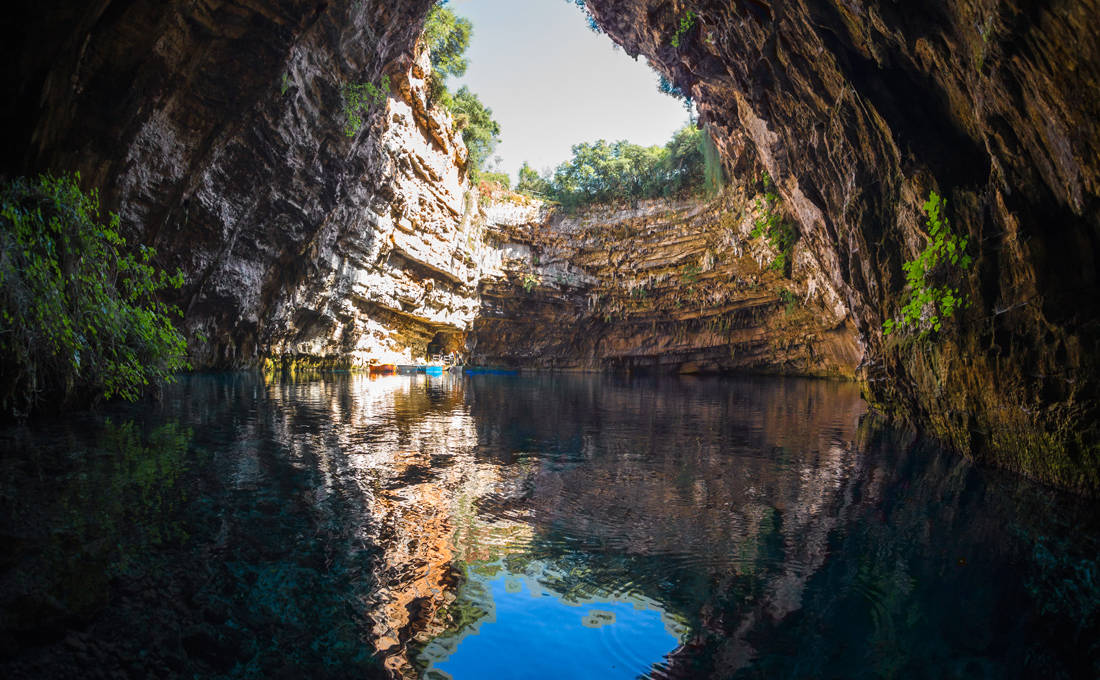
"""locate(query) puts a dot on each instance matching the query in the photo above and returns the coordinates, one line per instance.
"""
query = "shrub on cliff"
(933, 278)
(447, 36)
(79, 314)
(621, 171)
(358, 99)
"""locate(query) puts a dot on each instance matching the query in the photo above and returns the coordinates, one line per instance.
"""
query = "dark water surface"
(550, 526)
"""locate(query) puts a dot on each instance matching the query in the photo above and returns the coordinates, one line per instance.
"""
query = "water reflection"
(522, 628)
(515, 526)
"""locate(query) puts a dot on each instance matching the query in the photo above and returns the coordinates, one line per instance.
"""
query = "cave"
(446, 344)
(301, 376)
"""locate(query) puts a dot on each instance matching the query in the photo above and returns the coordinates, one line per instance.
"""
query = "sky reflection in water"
(530, 632)
(528, 526)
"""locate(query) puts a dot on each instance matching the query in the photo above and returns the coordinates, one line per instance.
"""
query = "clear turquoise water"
(549, 526)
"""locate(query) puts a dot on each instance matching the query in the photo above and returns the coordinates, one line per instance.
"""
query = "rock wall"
(302, 245)
(216, 130)
(680, 286)
(859, 109)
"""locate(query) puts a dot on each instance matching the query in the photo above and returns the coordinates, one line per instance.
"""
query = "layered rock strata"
(859, 110)
(217, 131)
(681, 286)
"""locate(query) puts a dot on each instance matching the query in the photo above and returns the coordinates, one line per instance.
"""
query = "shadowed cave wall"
(859, 110)
(214, 129)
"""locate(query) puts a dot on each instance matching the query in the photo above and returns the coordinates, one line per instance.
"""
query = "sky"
(551, 82)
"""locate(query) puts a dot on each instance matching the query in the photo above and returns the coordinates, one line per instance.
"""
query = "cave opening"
(531, 86)
(446, 345)
(560, 122)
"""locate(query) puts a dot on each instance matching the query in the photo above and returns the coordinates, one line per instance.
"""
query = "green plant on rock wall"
(358, 98)
(529, 281)
(933, 276)
(789, 301)
(779, 233)
(80, 316)
(687, 21)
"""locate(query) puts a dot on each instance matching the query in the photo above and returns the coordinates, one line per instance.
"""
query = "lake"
(528, 526)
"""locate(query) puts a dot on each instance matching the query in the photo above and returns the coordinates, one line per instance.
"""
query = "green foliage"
(592, 25)
(447, 36)
(285, 85)
(530, 182)
(358, 98)
(690, 273)
(79, 314)
(621, 171)
(529, 281)
(479, 131)
(779, 233)
(687, 22)
(932, 277)
(683, 170)
(789, 301)
(666, 86)
(499, 178)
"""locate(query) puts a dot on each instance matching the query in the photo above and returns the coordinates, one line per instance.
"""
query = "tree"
(479, 131)
(685, 160)
(531, 182)
(604, 173)
(448, 37)
(80, 318)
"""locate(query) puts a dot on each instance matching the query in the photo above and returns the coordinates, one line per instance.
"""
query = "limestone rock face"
(216, 130)
(662, 286)
(859, 109)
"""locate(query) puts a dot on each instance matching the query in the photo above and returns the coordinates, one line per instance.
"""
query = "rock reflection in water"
(546, 526)
(597, 490)
(628, 492)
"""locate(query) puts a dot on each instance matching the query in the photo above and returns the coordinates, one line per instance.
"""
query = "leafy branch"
(358, 98)
(687, 22)
(931, 277)
(80, 313)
